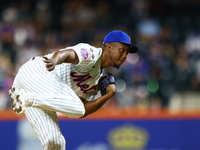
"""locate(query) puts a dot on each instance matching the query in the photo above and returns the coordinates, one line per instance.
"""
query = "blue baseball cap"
(122, 37)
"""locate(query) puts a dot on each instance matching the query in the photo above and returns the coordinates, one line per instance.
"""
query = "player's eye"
(123, 51)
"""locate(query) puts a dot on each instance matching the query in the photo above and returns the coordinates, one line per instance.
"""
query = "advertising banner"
(128, 130)
(132, 134)
(104, 134)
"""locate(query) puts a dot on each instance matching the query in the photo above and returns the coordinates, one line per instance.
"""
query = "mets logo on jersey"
(85, 53)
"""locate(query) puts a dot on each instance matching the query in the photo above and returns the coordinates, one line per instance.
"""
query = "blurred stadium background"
(157, 87)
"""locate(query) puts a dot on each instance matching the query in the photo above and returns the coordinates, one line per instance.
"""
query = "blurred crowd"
(167, 33)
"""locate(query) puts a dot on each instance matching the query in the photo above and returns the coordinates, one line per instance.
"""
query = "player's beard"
(116, 66)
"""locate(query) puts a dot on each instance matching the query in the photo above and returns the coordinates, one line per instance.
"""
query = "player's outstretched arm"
(92, 106)
(59, 57)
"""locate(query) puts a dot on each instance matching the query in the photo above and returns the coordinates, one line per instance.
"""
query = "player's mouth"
(121, 61)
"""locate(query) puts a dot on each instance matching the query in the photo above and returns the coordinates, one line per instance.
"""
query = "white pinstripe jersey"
(82, 77)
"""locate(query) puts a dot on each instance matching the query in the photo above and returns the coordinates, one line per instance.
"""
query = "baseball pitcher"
(67, 81)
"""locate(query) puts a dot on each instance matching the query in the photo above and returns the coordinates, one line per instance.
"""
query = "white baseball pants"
(48, 95)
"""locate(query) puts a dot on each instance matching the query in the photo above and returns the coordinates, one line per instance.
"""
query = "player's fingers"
(48, 63)
(45, 58)
(49, 68)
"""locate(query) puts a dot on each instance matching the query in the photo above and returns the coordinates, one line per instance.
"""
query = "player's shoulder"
(86, 50)
(86, 45)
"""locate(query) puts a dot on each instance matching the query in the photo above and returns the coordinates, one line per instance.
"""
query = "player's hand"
(49, 63)
(111, 89)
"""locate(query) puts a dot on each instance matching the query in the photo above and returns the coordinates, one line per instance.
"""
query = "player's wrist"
(112, 93)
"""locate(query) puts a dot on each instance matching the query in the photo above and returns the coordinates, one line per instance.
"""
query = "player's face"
(118, 53)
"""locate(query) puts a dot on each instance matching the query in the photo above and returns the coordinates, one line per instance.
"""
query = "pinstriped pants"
(48, 95)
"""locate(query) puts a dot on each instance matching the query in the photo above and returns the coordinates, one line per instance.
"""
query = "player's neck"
(104, 61)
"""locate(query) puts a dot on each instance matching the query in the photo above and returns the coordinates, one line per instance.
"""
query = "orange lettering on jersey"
(82, 78)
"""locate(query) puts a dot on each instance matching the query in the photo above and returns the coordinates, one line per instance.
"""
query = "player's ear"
(108, 46)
